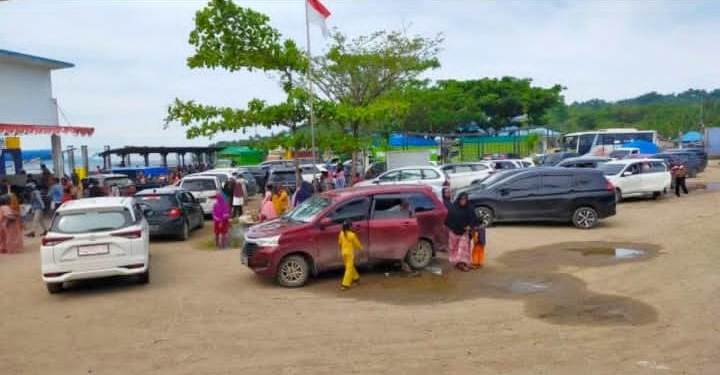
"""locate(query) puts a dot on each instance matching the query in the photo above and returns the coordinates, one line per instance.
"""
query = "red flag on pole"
(317, 14)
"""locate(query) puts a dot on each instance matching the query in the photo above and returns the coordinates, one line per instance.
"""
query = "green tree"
(234, 38)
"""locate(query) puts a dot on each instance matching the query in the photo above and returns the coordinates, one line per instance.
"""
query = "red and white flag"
(317, 14)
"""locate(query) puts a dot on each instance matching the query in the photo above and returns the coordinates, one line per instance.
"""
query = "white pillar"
(57, 158)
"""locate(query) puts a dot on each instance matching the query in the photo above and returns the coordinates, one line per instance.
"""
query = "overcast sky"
(130, 55)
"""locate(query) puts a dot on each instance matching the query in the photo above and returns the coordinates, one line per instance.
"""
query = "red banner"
(29, 129)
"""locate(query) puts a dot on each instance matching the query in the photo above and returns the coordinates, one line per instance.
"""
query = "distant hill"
(666, 113)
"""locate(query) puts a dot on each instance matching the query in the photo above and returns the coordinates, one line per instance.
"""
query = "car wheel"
(293, 271)
(420, 255)
(657, 195)
(485, 215)
(145, 277)
(618, 196)
(585, 217)
(54, 288)
(185, 231)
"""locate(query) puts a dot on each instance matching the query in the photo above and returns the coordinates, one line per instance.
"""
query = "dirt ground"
(551, 300)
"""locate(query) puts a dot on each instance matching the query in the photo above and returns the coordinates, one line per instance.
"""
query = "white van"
(203, 188)
(95, 237)
(637, 177)
(462, 175)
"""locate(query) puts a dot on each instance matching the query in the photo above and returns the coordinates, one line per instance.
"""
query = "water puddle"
(534, 276)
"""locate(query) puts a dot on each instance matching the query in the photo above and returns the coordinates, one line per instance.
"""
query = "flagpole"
(309, 82)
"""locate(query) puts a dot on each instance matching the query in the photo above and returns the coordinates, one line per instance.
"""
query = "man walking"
(38, 207)
(679, 174)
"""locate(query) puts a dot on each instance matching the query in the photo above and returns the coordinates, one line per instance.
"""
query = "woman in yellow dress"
(349, 243)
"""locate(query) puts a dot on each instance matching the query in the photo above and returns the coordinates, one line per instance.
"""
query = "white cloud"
(130, 55)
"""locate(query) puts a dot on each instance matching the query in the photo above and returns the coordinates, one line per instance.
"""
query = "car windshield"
(283, 177)
(611, 169)
(307, 210)
(158, 203)
(91, 221)
(118, 181)
(222, 177)
(204, 184)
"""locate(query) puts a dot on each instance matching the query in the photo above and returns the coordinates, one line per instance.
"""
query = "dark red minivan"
(393, 222)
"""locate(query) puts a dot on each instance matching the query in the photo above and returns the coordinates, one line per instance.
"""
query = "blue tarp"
(399, 140)
(147, 171)
(692, 137)
(645, 147)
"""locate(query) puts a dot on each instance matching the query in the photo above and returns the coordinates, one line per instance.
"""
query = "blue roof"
(692, 136)
(34, 60)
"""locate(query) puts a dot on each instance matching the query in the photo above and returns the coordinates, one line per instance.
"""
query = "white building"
(27, 105)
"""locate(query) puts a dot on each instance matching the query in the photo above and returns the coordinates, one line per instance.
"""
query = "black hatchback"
(578, 195)
(171, 211)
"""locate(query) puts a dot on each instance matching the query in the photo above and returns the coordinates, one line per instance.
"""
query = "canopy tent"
(242, 155)
(645, 147)
(691, 136)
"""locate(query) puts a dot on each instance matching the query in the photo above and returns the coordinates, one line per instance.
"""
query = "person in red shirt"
(679, 174)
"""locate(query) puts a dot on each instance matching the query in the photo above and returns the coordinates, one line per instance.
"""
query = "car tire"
(485, 215)
(618, 196)
(144, 277)
(420, 255)
(184, 232)
(657, 195)
(293, 271)
(585, 217)
(54, 288)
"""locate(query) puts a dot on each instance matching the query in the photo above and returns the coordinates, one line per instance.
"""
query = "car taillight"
(174, 212)
(128, 234)
(610, 186)
(52, 241)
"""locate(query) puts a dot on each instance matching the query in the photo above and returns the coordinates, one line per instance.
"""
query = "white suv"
(203, 188)
(637, 177)
(423, 175)
(95, 237)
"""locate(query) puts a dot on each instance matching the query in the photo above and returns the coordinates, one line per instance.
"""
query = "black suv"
(282, 177)
(578, 195)
(691, 161)
(171, 211)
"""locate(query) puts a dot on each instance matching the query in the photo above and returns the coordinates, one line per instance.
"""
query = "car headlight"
(266, 241)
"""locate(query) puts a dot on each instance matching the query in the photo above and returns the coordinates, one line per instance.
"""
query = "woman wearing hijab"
(447, 198)
(460, 221)
(221, 221)
(11, 240)
(303, 193)
(280, 200)
(267, 209)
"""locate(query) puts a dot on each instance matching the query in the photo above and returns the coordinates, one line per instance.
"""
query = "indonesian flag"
(317, 14)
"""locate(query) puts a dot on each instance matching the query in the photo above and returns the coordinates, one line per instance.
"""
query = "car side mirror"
(325, 222)
(627, 173)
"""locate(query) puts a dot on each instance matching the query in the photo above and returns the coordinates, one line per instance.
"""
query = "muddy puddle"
(534, 276)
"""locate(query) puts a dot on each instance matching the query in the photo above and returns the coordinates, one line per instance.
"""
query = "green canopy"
(242, 155)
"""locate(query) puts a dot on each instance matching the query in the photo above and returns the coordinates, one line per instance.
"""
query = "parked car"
(224, 174)
(375, 169)
(503, 164)
(623, 152)
(550, 160)
(283, 177)
(203, 188)
(632, 177)
(304, 241)
(461, 175)
(580, 196)
(583, 162)
(171, 211)
(697, 152)
(259, 174)
(93, 238)
(270, 164)
(692, 162)
(107, 184)
(424, 175)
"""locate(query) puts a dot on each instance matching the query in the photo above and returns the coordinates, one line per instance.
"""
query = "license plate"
(93, 250)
